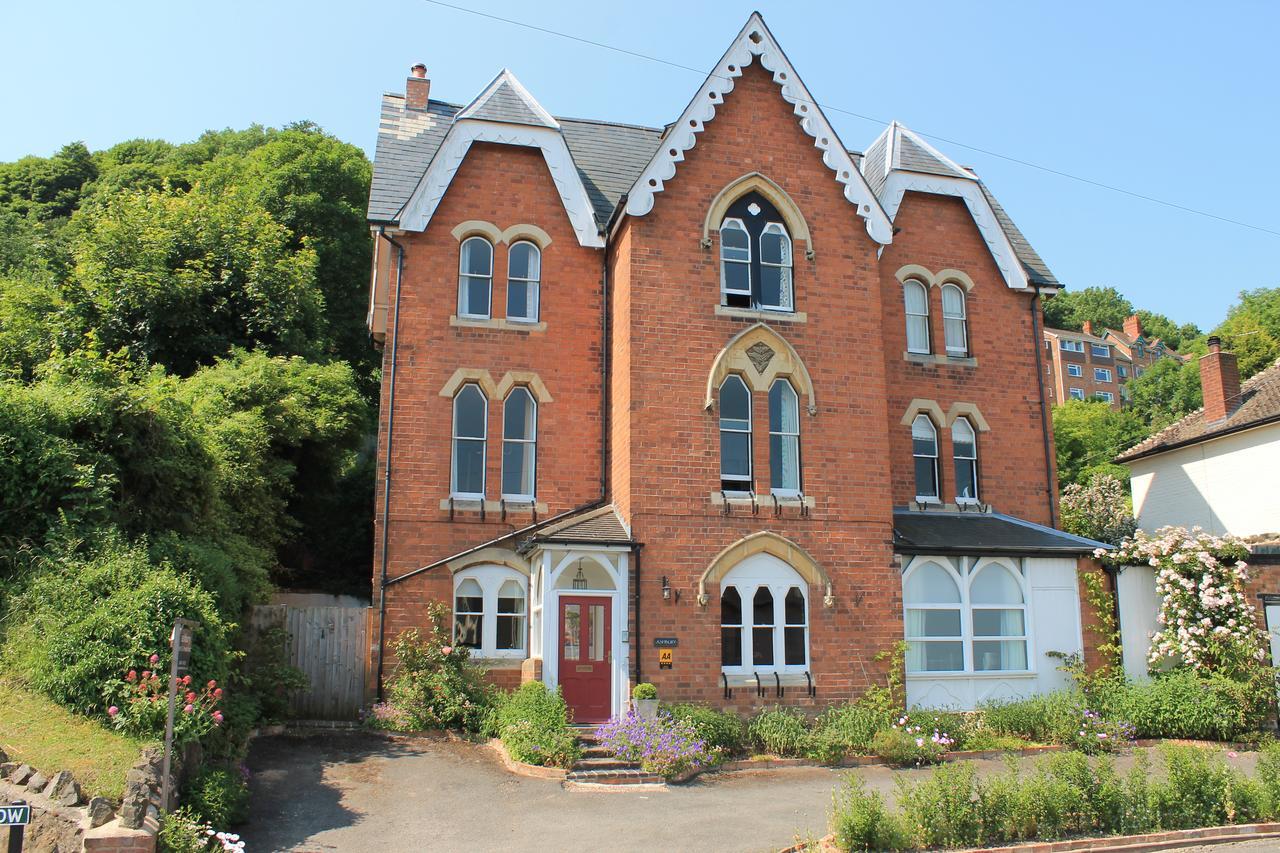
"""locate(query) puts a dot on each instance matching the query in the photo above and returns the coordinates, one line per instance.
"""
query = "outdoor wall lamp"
(666, 590)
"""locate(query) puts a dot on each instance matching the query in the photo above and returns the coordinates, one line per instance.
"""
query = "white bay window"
(965, 616)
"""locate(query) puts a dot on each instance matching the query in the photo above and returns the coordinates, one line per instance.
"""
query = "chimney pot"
(417, 89)
(1220, 381)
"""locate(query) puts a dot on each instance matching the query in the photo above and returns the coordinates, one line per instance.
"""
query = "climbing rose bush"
(1206, 622)
(663, 745)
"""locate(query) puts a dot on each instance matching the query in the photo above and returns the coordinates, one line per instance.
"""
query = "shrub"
(182, 832)
(1182, 704)
(644, 690)
(533, 723)
(1096, 734)
(944, 807)
(436, 685)
(1044, 718)
(663, 745)
(909, 744)
(218, 796)
(779, 731)
(144, 704)
(725, 734)
(845, 730)
(860, 821)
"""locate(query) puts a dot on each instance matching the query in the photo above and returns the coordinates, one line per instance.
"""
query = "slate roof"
(1259, 404)
(600, 527)
(977, 534)
(1076, 336)
(610, 157)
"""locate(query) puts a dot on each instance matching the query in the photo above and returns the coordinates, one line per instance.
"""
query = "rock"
(4, 756)
(133, 810)
(37, 781)
(21, 775)
(143, 775)
(7, 768)
(100, 812)
(64, 789)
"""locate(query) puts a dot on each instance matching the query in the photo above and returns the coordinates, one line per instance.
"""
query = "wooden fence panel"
(330, 645)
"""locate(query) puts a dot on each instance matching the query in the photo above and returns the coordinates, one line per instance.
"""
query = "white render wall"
(1054, 614)
(1227, 485)
(1139, 607)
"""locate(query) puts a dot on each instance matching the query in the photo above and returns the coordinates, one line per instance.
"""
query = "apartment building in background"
(1097, 365)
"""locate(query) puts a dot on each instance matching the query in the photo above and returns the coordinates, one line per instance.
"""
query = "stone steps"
(603, 762)
(598, 767)
(613, 777)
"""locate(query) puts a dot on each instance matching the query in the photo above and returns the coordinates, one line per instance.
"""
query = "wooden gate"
(331, 645)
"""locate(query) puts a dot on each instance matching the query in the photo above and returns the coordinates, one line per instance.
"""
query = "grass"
(36, 731)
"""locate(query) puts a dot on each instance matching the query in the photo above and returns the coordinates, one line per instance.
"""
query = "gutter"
(386, 476)
(1038, 340)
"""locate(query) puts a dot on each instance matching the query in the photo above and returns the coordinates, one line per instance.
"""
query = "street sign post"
(16, 816)
(179, 660)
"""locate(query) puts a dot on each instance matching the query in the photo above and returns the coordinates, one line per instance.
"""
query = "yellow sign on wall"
(665, 657)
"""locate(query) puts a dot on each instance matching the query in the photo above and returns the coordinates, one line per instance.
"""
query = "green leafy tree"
(1088, 435)
(1105, 307)
(47, 187)
(1248, 334)
(1166, 391)
(1099, 509)
(1159, 326)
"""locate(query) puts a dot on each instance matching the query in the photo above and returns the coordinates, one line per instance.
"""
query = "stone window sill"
(983, 675)
(758, 314)
(496, 323)
(785, 679)
(933, 358)
(493, 507)
(498, 663)
(763, 501)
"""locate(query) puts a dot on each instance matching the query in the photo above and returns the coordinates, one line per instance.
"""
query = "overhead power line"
(635, 54)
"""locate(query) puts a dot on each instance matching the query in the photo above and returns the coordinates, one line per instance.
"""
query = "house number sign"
(666, 642)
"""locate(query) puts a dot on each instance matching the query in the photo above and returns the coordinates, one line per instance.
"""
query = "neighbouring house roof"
(1259, 405)
(610, 157)
(976, 534)
(598, 527)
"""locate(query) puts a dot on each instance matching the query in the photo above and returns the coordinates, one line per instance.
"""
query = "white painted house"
(1216, 468)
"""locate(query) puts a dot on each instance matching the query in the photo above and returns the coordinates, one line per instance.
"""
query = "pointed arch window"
(964, 450)
(924, 449)
(756, 256)
(519, 445)
(784, 439)
(955, 323)
(524, 275)
(475, 278)
(764, 617)
(916, 297)
(470, 431)
(735, 435)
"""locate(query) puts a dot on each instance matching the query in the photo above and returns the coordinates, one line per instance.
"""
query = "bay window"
(490, 611)
(965, 616)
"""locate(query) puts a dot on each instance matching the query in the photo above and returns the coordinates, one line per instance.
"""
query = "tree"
(1088, 435)
(1099, 510)
(1252, 331)
(1166, 391)
(1159, 326)
(1105, 307)
(47, 187)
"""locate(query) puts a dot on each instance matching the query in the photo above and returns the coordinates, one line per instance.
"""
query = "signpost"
(180, 643)
(16, 816)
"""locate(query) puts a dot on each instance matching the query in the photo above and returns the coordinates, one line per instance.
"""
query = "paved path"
(360, 792)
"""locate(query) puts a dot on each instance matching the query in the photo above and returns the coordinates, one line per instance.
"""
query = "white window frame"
(484, 442)
(1122, 371)
(1100, 350)
(1102, 374)
(1075, 370)
(783, 435)
(1076, 393)
(958, 321)
(491, 579)
(1072, 346)
(531, 441)
(464, 279)
(963, 577)
(786, 288)
(765, 570)
(1104, 396)
(973, 442)
(724, 279)
(748, 481)
(927, 347)
(534, 285)
(937, 482)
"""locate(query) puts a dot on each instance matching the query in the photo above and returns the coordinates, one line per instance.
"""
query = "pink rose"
(155, 658)
(217, 694)
(186, 679)
(217, 716)
(212, 684)
(190, 697)
(112, 711)
(448, 650)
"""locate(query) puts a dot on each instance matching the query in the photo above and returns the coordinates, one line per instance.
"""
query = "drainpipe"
(1038, 340)
(386, 474)
(635, 578)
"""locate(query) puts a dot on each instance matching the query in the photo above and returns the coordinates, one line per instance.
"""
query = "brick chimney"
(417, 88)
(1133, 326)
(1088, 327)
(1220, 380)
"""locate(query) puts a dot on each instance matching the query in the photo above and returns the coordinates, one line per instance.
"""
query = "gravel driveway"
(362, 792)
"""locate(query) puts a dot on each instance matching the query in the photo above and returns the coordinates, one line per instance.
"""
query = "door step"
(602, 762)
(613, 777)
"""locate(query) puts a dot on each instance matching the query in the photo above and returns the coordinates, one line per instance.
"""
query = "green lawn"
(51, 738)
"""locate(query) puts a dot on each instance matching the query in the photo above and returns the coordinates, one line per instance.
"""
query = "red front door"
(586, 638)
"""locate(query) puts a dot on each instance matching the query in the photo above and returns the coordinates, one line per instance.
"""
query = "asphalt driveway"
(362, 792)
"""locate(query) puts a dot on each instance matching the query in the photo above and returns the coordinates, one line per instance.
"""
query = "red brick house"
(724, 406)
(1091, 365)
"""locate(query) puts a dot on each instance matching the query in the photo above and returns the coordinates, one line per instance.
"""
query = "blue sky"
(1179, 104)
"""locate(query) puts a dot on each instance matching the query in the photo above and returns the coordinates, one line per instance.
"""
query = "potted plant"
(644, 698)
